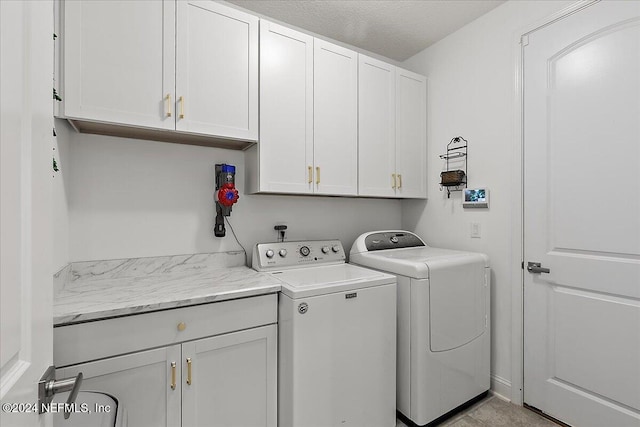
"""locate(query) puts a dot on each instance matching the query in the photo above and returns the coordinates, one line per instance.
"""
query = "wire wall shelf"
(454, 177)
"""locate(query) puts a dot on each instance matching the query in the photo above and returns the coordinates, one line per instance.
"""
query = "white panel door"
(26, 290)
(119, 61)
(411, 134)
(230, 380)
(335, 119)
(216, 70)
(141, 382)
(286, 110)
(376, 128)
(582, 216)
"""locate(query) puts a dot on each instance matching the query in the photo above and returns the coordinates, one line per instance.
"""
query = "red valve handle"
(228, 195)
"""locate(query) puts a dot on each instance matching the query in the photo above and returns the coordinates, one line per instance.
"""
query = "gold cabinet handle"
(168, 98)
(317, 175)
(173, 375)
(310, 174)
(399, 181)
(188, 371)
(182, 326)
(181, 101)
(393, 181)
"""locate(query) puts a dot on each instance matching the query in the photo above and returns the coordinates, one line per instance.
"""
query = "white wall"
(472, 93)
(132, 198)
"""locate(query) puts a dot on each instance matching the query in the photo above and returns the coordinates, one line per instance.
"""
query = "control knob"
(325, 249)
(283, 253)
(335, 248)
(269, 253)
(305, 251)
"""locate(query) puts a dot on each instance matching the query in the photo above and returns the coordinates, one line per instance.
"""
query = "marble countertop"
(100, 289)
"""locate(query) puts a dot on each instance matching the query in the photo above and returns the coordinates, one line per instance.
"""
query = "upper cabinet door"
(411, 134)
(335, 119)
(216, 70)
(376, 128)
(286, 110)
(119, 61)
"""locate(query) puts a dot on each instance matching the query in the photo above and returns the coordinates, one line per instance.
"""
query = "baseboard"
(501, 387)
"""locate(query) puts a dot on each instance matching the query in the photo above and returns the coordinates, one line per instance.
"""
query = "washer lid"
(322, 280)
(416, 262)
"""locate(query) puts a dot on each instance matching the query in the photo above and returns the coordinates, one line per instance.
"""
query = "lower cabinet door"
(140, 382)
(230, 380)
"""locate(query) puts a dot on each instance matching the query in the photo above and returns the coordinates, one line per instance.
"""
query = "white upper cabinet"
(285, 151)
(411, 134)
(190, 66)
(392, 153)
(376, 128)
(331, 121)
(335, 119)
(308, 116)
(216, 70)
(118, 62)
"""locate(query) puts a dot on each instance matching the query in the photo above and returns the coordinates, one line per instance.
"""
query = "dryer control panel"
(283, 255)
(391, 240)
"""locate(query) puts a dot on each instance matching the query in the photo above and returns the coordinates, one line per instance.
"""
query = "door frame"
(520, 40)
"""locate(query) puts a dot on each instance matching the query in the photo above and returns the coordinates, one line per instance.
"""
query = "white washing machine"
(443, 322)
(336, 337)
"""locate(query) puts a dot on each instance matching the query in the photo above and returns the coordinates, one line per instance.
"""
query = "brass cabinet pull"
(182, 326)
(168, 98)
(181, 101)
(317, 175)
(310, 174)
(188, 370)
(173, 375)
(393, 181)
(399, 181)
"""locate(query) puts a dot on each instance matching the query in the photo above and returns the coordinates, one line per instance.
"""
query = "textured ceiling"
(395, 29)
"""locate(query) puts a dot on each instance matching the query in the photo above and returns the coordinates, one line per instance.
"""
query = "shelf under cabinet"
(161, 135)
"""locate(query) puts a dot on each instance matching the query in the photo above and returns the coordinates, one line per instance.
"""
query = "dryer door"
(457, 295)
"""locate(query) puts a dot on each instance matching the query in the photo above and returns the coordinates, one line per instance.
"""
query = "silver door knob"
(48, 386)
(536, 267)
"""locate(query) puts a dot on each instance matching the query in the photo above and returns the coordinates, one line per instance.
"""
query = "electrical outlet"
(281, 232)
(475, 230)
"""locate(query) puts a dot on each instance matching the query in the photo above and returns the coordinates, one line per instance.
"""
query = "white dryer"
(443, 322)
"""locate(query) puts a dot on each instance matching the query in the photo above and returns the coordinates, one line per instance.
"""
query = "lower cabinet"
(208, 365)
(141, 383)
(227, 380)
(232, 381)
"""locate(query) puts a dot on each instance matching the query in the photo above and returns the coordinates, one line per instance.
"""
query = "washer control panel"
(282, 255)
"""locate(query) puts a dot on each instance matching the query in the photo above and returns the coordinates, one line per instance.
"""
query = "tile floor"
(495, 412)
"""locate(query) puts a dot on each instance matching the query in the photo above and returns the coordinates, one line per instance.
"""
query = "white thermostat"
(475, 198)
